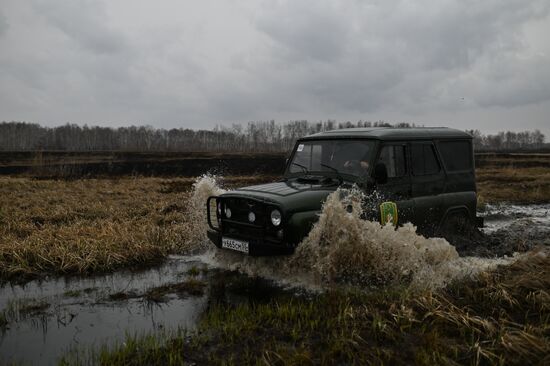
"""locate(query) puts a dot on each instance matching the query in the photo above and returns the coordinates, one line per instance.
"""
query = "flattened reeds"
(84, 226)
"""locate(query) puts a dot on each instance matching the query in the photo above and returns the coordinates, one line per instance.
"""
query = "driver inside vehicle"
(351, 164)
(356, 159)
(346, 156)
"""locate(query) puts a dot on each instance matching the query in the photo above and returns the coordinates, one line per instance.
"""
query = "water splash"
(343, 248)
(196, 225)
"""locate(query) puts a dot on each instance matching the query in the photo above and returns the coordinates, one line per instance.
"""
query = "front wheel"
(455, 223)
(459, 230)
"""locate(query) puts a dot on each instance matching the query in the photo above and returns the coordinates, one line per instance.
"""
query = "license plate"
(234, 244)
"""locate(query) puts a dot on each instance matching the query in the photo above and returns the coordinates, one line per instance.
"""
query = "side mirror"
(380, 173)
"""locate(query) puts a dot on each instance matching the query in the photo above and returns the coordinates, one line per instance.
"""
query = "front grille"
(241, 207)
(239, 226)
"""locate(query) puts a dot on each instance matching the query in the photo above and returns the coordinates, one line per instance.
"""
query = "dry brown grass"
(516, 185)
(91, 225)
(506, 313)
(86, 225)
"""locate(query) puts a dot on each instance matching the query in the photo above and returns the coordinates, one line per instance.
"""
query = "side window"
(424, 160)
(456, 155)
(393, 156)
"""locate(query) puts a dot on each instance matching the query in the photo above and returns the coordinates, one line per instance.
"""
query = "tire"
(456, 223)
(459, 230)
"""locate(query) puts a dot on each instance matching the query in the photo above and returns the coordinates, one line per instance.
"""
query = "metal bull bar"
(208, 214)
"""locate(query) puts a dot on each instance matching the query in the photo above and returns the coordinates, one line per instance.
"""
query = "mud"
(512, 228)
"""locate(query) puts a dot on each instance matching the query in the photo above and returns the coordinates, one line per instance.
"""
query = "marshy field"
(104, 264)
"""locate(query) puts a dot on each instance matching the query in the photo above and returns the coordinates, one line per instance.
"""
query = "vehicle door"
(398, 186)
(428, 182)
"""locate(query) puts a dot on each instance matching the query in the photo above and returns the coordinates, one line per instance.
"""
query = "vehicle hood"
(292, 196)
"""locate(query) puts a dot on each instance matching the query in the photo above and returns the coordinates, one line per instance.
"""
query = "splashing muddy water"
(343, 248)
(203, 187)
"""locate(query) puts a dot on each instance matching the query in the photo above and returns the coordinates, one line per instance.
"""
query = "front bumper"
(256, 247)
(261, 237)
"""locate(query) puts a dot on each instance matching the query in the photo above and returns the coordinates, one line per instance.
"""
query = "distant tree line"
(262, 136)
(255, 136)
(508, 140)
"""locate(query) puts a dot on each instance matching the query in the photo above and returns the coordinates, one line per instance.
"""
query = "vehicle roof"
(391, 133)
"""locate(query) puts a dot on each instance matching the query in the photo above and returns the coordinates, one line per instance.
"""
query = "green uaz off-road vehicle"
(421, 175)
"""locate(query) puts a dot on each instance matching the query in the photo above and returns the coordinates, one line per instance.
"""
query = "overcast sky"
(194, 64)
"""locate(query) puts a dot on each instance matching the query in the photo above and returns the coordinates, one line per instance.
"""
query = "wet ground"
(42, 320)
(500, 216)
(513, 228)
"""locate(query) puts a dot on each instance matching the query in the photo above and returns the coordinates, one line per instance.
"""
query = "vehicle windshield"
(348, 156)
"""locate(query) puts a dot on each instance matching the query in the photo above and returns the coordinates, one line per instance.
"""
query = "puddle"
(512, 228)
(47, 318)
(501, 216)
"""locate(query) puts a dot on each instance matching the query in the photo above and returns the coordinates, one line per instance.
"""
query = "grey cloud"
(3, 24)
(309, 30)
(84, 21)
(516, 83)
(88, 61)
(457, 34)
(386, 55)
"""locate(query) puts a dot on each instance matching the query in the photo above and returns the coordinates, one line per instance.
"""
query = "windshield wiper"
(304, 169)
(340, 179)
(305, 178)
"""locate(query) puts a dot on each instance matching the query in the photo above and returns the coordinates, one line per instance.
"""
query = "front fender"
(300, 224)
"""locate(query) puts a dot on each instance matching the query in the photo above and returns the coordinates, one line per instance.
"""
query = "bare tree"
(259, 136)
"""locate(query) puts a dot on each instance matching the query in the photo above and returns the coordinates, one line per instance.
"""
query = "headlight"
(228, 212)
(276, 217)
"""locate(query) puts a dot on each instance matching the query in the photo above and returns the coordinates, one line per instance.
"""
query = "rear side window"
(456, 155)
(424, 160)
(393, 156)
